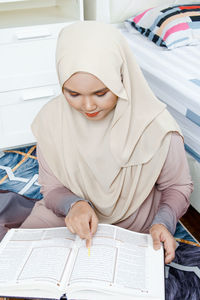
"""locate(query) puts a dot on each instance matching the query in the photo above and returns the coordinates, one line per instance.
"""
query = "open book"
(50, 263)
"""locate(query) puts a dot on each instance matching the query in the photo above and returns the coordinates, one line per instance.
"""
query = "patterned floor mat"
(19, 172)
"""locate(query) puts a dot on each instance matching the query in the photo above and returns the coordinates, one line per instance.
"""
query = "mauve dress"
(166, 203)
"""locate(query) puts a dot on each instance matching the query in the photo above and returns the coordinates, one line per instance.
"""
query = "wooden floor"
(191, 220)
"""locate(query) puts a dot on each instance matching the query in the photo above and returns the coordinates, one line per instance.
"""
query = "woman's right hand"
(82, 220)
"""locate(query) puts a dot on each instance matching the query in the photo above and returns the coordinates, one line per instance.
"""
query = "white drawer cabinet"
(16, 120)
(28, 63)
(28, 79)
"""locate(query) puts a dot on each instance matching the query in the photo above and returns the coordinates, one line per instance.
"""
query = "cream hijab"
(113, 162)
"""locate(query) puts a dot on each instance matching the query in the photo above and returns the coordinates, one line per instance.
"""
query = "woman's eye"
(74, 94)
(101, 95)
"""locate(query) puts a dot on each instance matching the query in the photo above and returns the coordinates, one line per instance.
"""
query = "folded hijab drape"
(113, 162)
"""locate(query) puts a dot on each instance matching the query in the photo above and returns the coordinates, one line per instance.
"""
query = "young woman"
(108, 150)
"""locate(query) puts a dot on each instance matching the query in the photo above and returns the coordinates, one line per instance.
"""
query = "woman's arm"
(79, 214)
(56, 196)
(176, 186)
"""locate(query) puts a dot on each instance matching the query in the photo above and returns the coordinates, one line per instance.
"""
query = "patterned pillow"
(169, 27)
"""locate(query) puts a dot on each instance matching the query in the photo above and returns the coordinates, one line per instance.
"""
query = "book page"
(113, 249)
(99, 265)
(35, 255)
(119, 260)
(131, 268)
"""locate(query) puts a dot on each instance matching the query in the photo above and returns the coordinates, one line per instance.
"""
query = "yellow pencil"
(88, 251)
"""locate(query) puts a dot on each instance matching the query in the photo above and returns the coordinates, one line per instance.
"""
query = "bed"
(174, 77)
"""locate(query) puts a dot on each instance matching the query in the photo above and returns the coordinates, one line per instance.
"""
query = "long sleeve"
(175, 185)
(56, 196)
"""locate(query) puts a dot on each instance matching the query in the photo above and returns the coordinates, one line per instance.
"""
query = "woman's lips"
(92, 114)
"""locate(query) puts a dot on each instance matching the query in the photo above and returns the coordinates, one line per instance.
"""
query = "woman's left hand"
(160, 234)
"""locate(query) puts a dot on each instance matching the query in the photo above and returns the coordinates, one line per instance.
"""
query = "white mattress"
(174, 76)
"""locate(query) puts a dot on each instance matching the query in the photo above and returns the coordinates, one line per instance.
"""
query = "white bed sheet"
(170, 74)
(175, 68)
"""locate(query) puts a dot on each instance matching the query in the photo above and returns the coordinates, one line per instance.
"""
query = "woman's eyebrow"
(68, 90)
(101, 90)
(98, 91)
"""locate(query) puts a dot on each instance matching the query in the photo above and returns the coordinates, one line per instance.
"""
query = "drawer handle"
(32, 94)
(25, 35)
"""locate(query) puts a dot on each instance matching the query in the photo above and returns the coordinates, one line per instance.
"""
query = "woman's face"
(88, 95)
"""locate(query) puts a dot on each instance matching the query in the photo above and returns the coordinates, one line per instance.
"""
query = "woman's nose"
(89, 104)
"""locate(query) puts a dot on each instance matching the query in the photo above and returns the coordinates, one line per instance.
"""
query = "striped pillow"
(170, 27)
